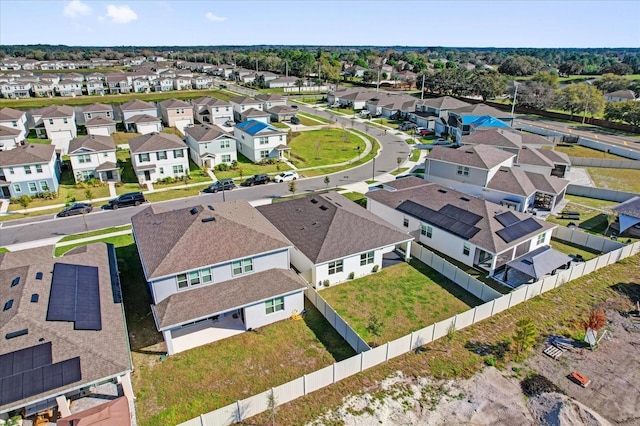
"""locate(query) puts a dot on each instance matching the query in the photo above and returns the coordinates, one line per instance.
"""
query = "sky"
(471, 23)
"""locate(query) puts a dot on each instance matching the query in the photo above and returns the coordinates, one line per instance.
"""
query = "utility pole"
(422, 91)
(286, 68)
(513, 104)
(378, 81)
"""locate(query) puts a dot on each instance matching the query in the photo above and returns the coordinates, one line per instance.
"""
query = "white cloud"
(76, 8)
(210, 16)
(121, 14)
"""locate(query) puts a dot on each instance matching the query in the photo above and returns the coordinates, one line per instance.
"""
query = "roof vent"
(314, 201)
(194, 211)
(208, 219)
(323, 207)
(15, 281)
(34, 298)
(38, 275)
(443, 191)
(210, 207)
(16, 333)
(464, 199)
(315, 223)
(8, 305)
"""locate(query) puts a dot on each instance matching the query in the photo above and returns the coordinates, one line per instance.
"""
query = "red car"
(423, 131)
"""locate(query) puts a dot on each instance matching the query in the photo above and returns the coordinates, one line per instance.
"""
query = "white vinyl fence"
(599, 193)
(246, 408)
(607, 163)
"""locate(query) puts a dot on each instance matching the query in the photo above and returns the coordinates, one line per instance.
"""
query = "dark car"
(221, 185)
(74, 209)
(295, 120)
(128, 199)
(256, 180)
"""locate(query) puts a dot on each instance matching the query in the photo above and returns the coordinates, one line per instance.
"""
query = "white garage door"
(182, 124)
(61, 139)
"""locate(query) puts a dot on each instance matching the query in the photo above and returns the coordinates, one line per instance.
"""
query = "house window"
(264, 154)
(224, 144)
(335, 267)
(463, 171)
(205, 275)
(88, 115)
(217, 109)
(466, 249)
(11, 170)
(193, 278)
(263, 140)
(33, 187)
(51, 121)
(14, 123)
(405, 222)
(426, 230)
(226, 109)
(105, 155)
(16, 188)
(178, 153)
(226, 158)
(366, 258)
(541, 238)
(38, 168)
(242, 266)
(44, 186)
(178, 169)
(274, 305)
(27, 170)
(280, 138)
(143, 157)
(183, 282)
(84, 158)
(162, 155)
(64, 120)
(161, 170)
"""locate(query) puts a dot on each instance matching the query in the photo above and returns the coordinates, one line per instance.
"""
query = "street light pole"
(513, 104)
(373, 174)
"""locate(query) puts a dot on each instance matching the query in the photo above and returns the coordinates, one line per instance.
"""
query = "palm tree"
(299, 84)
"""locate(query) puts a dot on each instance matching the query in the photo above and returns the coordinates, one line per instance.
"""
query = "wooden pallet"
(553, 352)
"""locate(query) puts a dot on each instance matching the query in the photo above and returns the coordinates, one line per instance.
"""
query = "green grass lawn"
(95, 233)
(591, 220)
(122, 137)
(357, 198)
(279, 125)
(38, 140)
(405, 297)
(248, 168)
(323, 147)
(387, 122)
(315, 117)
(568, 248)
(176, 192)
(307, 121)
(415, 155)
(399, 171)
(575, 150)
(591, 202)
(67, 193)
(18, 214)
(617, 179)
(345, 111)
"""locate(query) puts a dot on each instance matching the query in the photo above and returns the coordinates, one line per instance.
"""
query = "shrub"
(375, 268)
(326, 283)
(490, 361)
(223, 167)
(351, 275)
(537, 384)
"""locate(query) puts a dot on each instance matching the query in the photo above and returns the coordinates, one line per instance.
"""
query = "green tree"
(327, 181)
(611, 82)
(535, 94)
(24, 201)
(299, 84)
(526, 334)
(374, 326)
(88, 194)
(293, 187)
(488, 84)
(626, 111)
(549, 78)
(580, 97)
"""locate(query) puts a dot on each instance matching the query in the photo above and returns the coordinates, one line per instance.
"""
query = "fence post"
(304, 384)
(510, 297)
(473, 321)
(201, 419)
(238, 412)
(482, 293)
(334, 373)
(493, 306)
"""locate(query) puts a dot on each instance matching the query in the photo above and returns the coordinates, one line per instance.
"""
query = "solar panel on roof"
(459, 214)
(518, 230)
(75, 296)
(438, 219)
(507, 218)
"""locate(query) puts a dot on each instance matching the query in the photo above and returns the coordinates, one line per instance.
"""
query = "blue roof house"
(259, 141)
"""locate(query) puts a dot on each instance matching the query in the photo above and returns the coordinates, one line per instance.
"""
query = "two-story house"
(163, 84)
(141, 117)
(462, 121)
(176, 113)
(269, 100)
(212, 110)
(205, 289)
(240, 105)
(58, 123)
(100, 126)
(97, 110)
(29, 169)
(209, 145)
(94, 156)
(10, 138)
(476, 232)
(117, 83)
(258, 140)
(158, 156)
(141, 85)
(323, 253)
(69, 87)
(14, 119)
(201, 82)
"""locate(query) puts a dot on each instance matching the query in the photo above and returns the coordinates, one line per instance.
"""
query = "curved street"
(46, 227)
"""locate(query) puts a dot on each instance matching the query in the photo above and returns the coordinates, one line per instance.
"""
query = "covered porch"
(108, 172)
(533, 266)
(205, 331)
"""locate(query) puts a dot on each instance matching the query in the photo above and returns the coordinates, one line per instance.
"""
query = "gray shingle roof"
(436, 197)
(479, 156)
(555, 156)
(99, 121)
(244, 100)
(97, 108)
(155, 142)
(170, 242)
(270, 97)
(136, 105)
(480, 110)
(92, 142)
(533, 157)
(10, 114)
(205, 132)
(187, 306)
(330, 226)
(55, 111)
(142, 118)
(494, 137)
(513, 181)
(102, 353)
(174, 103)
(252, 112)
(631, 207)
(539, 262)
(27, 154)
(9, 131)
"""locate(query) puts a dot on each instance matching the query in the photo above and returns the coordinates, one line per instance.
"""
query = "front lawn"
(315, 117)
(617, 179)
(388, 122)
(323, 147)
(405, 297)
(306, 121)
(248, 168)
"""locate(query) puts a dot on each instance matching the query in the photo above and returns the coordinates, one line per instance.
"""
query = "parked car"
(441, 141)
(126, 200)
(334, 105)
(286, 176)
(407, 125)
(295, 120)
(221, 185)
(294, 106)
(423, 131)
(223, 86)
(74, 209)
(256, 180)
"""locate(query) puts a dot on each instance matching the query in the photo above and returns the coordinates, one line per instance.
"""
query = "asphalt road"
(45, 227)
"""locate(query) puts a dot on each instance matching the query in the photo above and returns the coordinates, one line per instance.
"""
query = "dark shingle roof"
(170, 242)
(631, 207)
(27, 154)
(142, 118)
(186, 306)
(479, 156)
(174, 103)
(97, 108)
(205, 132)
(244, 100)
(494, 137)
(9, 114)
(329, 226)
(533, 157)
(155, 142)
(481, 110)
(252, 112)
(99, 121)
(55, 111)
(136, 105)
(270, 97)
(92, 142)
(9, 131)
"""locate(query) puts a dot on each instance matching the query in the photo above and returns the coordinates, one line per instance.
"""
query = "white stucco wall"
(255, 315)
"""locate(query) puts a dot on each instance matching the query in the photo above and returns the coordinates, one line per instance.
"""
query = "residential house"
(323, 230)
(355, 71)
(14, 119)
(58, 123)
(270, 100)
(10, 138)
(255, 115)
(95, 86)
(259, 141)
(358, 99)
(473, 231)
(212, 110)
(182, 83)
(462, 121)
(387, 105)
(16, 89)
(491, 173)
(201, 82)
(29, 169)
(241, 73)
(163, 84)
(627, 221)
(117, 83)
(94, 156)
(63, 329)
(205, 289)
(98, 110)
(44, 87)
(101, 126)
(210, 145)
(281, 113)
(176, 113)
(158, 156)
(282, 82)
(620, 96)
(141, 85)
(137, 107)
(69, 87)
(240, 104)
(430, 111)
(143, 124)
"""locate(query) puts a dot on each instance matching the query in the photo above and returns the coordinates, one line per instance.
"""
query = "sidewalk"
(55, 241)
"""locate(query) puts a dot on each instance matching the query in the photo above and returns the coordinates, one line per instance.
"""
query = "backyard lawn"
(591, 220)
(122, 137)
(573, 249)
(575, 150)
(322, 147)
(591, 202)
(405, 297)
(617, 179)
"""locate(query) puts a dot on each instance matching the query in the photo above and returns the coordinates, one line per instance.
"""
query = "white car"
(285, 176)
